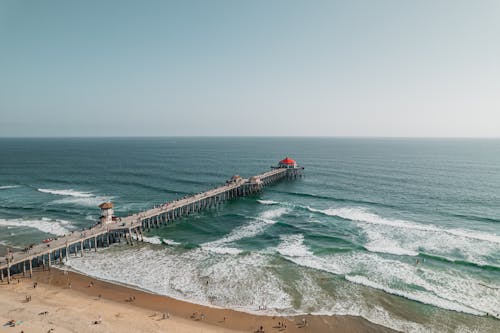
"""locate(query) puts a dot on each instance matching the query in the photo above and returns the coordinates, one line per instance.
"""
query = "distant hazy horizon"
(225, 68)
(257, 137)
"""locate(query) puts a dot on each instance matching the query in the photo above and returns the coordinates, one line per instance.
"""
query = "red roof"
(287, 160)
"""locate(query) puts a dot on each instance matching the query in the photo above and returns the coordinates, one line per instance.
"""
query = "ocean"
(403, 232)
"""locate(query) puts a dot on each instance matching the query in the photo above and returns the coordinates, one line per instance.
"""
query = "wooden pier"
(130, 228)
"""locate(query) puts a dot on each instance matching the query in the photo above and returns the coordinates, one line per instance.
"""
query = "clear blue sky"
(322, 68)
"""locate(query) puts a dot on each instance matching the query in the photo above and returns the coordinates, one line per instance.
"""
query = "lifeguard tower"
(106, 212)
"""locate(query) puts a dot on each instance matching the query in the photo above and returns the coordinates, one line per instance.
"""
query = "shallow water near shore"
(405, 233)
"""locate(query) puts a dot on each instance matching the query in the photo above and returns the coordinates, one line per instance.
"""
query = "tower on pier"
(293, 169)
(106, 212)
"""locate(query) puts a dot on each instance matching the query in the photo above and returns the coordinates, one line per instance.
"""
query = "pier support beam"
(142, 235)
(130, 236)
(81, 247)
(31, 268)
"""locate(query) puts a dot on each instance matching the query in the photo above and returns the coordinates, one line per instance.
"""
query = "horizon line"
(248, 136)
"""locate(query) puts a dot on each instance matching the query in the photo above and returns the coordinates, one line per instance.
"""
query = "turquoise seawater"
(404, 232)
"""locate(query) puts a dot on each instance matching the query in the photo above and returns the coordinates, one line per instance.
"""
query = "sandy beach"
(71, 302)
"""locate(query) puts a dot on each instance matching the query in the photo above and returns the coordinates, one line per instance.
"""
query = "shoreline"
(210, 319)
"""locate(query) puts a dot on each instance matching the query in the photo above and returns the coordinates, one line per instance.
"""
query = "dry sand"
(75, 309)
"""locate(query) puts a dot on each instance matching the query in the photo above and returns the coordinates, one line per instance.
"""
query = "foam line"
(362, 215)
(54, 227)
(7, 187)
(268, 202)
(68, 192)
(170, 242)
(444, 289)
(251, 229)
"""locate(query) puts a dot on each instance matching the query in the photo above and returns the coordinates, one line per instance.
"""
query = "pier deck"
(102, 235)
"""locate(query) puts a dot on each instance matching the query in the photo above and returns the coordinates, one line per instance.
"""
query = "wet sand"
(74, 301)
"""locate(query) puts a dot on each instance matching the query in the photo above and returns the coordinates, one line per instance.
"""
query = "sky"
(250, 68)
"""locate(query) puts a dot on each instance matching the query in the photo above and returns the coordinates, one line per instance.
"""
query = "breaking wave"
(444, 289)
(251, 229)
(362, 215)
(7, 187)
(73, 197)
(170, 242)
(68, 192)
(268, 202)
(50, 226)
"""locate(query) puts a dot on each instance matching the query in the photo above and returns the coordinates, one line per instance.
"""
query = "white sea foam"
(73, 197)
(293, 246)
(269, 216)
(67, 192)
(362, 215)
(55, 227)
(237, 281)
(381, 242)
(251, 229)
(268, 202)
(81, 201)
(409, 238)
(446, 289)
(170, 242)
(222, 250)
(244, 282)
(7, 187)
(152, 240)
(423, 297)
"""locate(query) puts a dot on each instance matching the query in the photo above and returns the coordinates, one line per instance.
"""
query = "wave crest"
(50, 226)
(68, 192)
(7, 187)
(251, 229)
(268, 202)
(360, 214)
